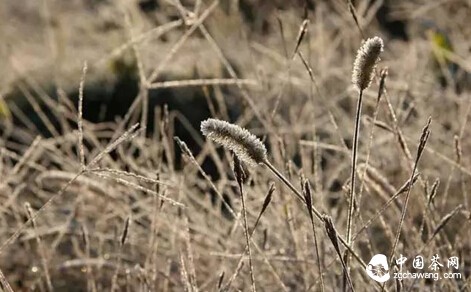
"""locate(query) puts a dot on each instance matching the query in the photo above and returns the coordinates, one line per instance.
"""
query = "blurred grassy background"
(151, 61)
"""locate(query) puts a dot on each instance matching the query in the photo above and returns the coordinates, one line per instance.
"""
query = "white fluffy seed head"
(243, 143)
(365, 62)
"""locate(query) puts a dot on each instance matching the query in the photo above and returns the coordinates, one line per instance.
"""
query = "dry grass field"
(107, 182)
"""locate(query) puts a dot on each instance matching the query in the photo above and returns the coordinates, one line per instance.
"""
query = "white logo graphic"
(378, 269)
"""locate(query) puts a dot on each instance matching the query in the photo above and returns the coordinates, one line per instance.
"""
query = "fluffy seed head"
(365, 62)
(243, 143)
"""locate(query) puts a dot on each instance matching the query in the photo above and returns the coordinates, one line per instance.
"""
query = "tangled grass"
(125, 205)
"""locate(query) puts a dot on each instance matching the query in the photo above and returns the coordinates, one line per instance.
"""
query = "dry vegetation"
(97, 194)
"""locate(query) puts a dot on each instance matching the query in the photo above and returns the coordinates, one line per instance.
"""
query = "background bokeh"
(168, 65)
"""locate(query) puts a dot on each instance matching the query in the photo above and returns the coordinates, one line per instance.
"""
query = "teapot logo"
(378, 269)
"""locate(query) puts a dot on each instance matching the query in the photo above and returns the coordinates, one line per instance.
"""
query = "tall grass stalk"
(363, 72)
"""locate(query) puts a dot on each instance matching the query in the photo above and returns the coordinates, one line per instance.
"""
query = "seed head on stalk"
(244, 144)
(365, 62)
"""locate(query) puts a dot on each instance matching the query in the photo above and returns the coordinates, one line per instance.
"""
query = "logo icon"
(378, 269)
